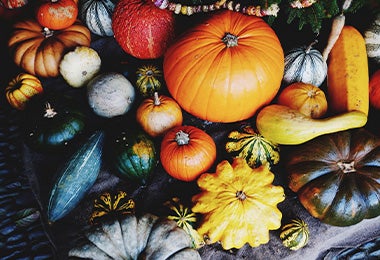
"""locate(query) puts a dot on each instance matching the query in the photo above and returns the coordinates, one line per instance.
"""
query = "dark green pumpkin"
(337, 176)
(295, 234)
(132, 154)
(53, 122)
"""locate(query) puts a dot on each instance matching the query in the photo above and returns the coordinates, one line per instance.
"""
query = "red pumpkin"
(225, 68)
(374, 90)
(142, 29)
(13, 4)
(57, 14)
(187, 152)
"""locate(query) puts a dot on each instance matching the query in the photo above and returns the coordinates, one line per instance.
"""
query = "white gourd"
(372, 40)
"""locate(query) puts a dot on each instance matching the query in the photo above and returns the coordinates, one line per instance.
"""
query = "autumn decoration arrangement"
(303, 110)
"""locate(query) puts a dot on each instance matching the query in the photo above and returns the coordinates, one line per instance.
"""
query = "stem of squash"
(182, 138)
(241, 195)
(49, 111)
(47, 32)
(157, 101)
(311, 46)
(347, 167)
(230, 40)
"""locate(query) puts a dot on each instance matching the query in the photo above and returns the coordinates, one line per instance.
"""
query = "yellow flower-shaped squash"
(238, 204)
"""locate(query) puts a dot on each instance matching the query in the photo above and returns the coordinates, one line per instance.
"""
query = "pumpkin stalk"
(47, 32)
(241, 195)
(347, 167)
(311, 46)
(49, 111)
(157, 101)
(182, 138)
(230, 40)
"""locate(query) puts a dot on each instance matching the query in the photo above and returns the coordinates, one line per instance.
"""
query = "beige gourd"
(283, 125)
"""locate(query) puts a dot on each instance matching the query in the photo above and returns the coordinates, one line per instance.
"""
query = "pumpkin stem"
(47, 32)
(241, 195)
(347, 167)
(311, 45)
(230, 40)
(49, 111)
(182, 138)
(157, 101)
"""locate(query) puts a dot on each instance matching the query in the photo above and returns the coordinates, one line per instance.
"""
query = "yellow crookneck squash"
(238, 204)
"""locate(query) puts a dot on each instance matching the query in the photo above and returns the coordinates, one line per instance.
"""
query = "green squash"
(295, 234)
(148, 80)
(132, 154)
(253, 147)
(52, 123)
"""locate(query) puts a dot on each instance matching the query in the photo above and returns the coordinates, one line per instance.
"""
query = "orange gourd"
(186, 152)
(39, 50)
(225, 68)
(57, 14)
(306, 98)
(158, 114)
(374, 89)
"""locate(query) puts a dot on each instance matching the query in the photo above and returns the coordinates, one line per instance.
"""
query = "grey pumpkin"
(136, 237)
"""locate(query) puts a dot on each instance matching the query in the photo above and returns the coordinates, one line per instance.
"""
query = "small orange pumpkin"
(57, 14)
(374, 89)
(225, 68)
(187, 152)
(306, 98)
(21, 89)
(158, 114)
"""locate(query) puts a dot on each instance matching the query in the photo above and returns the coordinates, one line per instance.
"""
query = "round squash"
(238, 204)
(187, 152)
(142, 29)
(13, 4)
(336, 176)
(149, 80)
(21, 89)
(372, 39)
(306, 98)
(38, 50)
(295, 234)
(132, 154)
(57, 14)
(374, 89)
(135, 237)
(110, 94)
(97, 15)
(254, 148)
(305, 64)
(158, 114)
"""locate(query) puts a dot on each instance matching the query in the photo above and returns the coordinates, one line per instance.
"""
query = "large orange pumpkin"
(374, 90)
(225, 68)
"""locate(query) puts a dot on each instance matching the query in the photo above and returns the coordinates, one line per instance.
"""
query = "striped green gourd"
(76, 178)
(97, 15)
(253, 147)
(295, 234)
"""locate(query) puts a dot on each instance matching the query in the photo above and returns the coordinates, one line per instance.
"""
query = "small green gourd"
(295, 234)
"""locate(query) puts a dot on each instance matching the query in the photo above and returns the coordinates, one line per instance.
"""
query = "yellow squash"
(238, 204)
(347, 76)
(284, 125)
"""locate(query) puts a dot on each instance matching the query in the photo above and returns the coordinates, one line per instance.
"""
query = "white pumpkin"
(372, 39)
(110, 94)
(97, 15)
(305, 64)
(79, 66)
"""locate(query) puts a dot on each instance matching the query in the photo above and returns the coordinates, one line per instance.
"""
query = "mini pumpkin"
(21, 89)
(149, 80)
(306, 98)
(38, 50)
(186, 152)
(157, 114)
(295, 234)
(238, 204)
(13, 4)
(57, 14)
(305, 64)
(136, 237)
(253, 147)
(336, 176)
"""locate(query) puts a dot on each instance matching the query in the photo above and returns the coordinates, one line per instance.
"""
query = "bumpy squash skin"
(348, 76)
(283, 125)
(136, 237)
(336, 176)
(76, 178)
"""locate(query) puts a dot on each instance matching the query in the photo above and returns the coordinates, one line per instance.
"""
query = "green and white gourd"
(295, 234)
(97, 15)
(305, 64)
(372, 40)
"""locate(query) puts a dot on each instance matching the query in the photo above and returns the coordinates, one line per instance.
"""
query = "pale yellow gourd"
(283, 125)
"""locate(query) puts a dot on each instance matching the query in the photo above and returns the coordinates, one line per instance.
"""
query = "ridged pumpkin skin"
(97, 15)
(38, 51)
(336, 176)
(219, 83)
(142, 29)
(348, 77)
(239, 204)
